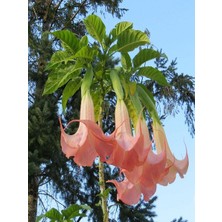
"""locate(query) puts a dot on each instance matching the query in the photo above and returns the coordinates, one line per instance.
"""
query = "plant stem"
(101, 172)
(102, 189)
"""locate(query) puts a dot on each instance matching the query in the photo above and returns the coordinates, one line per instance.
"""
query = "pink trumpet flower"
(151, 172)
(175, 166)
(128, 151)
(89, 138)
(142, 179)
(130, 193)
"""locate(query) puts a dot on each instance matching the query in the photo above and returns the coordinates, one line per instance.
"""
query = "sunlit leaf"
(72, 211)
(86, 207)
(54, 214)
(59, 57)
(145, 55)
(122, 26)
(153, 74)
(60, 77)
(86, 53)
(69, 38)
(131, 39)
(71, 88)
(95, 27)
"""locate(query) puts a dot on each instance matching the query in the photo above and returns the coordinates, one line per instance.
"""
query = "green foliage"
(66, 215)
(86, 53)
(60, 76)
(96, 28)
(123, 36)
(121, 27)
(153, 74)
(130, 40)
(68, 38)
(70, 89)
(145, 55)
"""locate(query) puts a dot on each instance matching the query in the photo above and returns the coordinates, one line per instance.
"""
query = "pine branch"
(75, 14)
(47, 194)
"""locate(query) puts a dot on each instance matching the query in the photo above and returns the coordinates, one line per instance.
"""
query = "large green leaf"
(95, 27)
(68, 38)
(72, 211)
(153, 74)
(145, 55)
(131, 39)
(71, 88)
(54, 214)
(119, 28)
(59, 57)
(60, 77)
(86, 53)
(122, 26)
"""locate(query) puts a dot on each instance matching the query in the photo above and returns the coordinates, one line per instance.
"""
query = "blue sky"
(171, 24)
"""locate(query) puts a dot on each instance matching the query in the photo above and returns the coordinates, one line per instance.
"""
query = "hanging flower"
(142, 179)
(130, 193)
(81, 144)
(128, 151)
(175, 166)
(89, 140)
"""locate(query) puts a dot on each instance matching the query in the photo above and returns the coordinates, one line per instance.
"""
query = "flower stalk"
(102, 183)
(102, 189)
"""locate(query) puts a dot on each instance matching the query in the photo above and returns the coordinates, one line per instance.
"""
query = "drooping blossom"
(129, 150)
(175, 166)
(130, 193)
(142, 179)
(88, 139)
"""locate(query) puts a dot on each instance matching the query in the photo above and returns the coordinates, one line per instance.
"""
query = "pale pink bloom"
(89, 138)
(142, 179)
(151, 172)
(128, 151)
(175, 166)
(130, 193)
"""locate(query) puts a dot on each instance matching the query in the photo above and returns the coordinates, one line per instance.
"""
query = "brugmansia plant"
(84, 66)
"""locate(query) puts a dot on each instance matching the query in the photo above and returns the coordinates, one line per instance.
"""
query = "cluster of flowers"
(133, 154)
